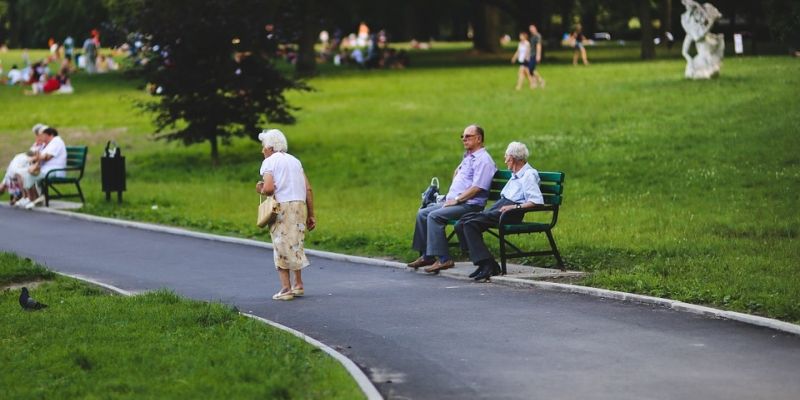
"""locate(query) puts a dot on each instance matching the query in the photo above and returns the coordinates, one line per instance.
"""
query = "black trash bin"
(112, 171)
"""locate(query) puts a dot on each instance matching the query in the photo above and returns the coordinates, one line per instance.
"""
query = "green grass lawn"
(89, 344)
(680, 189)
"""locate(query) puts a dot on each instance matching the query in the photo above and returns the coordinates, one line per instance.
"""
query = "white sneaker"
(22, 202)
(31, 204)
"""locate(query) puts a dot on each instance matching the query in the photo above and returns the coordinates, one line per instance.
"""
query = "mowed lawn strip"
(92, 344)
(674, 188)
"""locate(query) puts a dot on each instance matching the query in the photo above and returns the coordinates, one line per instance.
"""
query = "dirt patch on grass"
(20, 285)
(77, 136)
(16, 143)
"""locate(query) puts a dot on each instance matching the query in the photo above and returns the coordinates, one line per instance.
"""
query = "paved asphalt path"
(430, 337)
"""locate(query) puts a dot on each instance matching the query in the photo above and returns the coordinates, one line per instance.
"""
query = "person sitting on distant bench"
(52, 156)
(19, 164)
(521, 191)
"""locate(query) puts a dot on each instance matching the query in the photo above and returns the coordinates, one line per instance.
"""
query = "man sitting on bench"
(468, 193)
(521, 191)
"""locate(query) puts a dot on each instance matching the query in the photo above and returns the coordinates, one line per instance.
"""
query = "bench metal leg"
(502, 254)
(80, 192)
(46, 193)
(559, 261)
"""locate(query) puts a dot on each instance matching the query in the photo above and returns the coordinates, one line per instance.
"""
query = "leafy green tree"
(30, 23)
(207, 66)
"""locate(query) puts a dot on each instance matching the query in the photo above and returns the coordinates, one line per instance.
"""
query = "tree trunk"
(666, 26)
(214, 150)
(306, 63)
(589, 19)
(646, 20)
(486, 28)
(566, 16)
(13, 24)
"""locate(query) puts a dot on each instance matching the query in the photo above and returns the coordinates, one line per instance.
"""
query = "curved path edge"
(355, 372)
(517, 282)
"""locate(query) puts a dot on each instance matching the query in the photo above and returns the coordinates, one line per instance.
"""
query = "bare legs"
(298, 279)
(536, 79)
(286, 281)
(522, 75)
(582, 52)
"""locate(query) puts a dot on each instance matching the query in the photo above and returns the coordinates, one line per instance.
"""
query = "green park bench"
(552, 187)
(76, 162)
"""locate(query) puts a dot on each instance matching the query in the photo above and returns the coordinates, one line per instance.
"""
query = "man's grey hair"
(274, 139)
(38, 128)
(518, 151)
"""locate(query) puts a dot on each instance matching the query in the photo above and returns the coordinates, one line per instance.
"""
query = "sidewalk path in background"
(432, 337)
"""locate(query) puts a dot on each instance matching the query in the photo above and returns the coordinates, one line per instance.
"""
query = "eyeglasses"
(468, 136)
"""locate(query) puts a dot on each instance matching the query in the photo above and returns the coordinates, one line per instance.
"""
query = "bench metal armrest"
(510, 215)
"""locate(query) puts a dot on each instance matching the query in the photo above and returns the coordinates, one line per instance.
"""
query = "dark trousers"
(429, 231)
(470, 230)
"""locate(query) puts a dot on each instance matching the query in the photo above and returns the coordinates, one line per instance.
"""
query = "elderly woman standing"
(521, 191)
(284, 178)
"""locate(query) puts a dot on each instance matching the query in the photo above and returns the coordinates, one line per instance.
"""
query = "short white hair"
(518, 151)
(38, 128)
(274, 139)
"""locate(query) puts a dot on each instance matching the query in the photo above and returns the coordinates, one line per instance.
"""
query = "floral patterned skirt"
(288, 236)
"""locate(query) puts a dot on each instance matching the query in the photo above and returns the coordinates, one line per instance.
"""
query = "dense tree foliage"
(30, 23)
(208, 66)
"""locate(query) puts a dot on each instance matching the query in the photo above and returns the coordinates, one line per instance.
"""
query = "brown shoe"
(420, 262)
(440, 266)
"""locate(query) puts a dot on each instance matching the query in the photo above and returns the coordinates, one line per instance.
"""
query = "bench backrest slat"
(551, 184)
(76, 156)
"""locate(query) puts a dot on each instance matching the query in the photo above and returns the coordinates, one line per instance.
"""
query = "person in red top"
(51, 85)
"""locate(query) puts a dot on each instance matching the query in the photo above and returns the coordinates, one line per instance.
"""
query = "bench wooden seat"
(552, 186)
(76, 162)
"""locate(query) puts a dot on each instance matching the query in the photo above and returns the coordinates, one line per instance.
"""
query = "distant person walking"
(284, 178)
(69, 48)
(522, 57)
(536, 56)
(89, 55)
(577, 39)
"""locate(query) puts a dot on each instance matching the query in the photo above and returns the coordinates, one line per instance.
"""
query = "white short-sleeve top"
(287, 172)
(58, 150)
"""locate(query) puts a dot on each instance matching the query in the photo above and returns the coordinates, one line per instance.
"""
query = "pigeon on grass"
(28, 303)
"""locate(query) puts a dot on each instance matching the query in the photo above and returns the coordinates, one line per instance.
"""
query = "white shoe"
(39, 200)
(287, 295)
(22, 202)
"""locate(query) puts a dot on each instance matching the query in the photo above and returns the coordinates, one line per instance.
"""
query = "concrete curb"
(356, 373)
(516, 282)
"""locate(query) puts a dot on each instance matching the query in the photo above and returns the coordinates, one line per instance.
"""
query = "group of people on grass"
(283, 177)
(25, 174)
(40, 79)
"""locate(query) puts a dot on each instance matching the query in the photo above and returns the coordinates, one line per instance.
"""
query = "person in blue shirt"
(521, 191)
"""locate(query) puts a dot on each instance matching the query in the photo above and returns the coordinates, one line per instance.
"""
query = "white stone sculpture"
(697, 21)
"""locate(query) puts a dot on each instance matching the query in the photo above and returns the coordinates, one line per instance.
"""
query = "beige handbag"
(267, 211)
